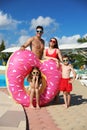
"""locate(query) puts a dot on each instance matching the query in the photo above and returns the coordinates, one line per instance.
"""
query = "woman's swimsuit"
(54, 54)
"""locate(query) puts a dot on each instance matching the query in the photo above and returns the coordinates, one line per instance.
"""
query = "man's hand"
(22, 47)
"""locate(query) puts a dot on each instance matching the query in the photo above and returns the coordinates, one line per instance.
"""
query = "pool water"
(3, 81)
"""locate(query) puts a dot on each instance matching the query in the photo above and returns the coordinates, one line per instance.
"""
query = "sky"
(64, 19)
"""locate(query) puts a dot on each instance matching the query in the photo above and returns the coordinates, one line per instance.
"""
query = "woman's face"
(52, 42)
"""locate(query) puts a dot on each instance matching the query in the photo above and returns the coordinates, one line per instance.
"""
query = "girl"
(35, 80)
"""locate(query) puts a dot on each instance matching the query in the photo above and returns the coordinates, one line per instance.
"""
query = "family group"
(37, 46)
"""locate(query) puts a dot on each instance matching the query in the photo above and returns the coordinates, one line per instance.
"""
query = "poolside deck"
(50, 117)
(12, 116)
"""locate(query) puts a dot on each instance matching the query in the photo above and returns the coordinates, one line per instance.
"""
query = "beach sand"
(72, 118)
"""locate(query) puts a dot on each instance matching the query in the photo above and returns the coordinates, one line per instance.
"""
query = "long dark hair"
(56, 45)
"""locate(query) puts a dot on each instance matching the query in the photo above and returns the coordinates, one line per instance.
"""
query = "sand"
(72, 118)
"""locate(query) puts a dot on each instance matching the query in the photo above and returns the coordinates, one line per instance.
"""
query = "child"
(35, 81)
(66, 81)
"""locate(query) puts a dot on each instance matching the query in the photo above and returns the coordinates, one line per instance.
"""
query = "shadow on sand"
(75, 100)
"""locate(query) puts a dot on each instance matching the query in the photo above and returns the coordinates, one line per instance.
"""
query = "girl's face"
(35, 72)
(66, 61)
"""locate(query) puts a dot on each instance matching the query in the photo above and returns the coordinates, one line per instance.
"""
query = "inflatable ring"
(20, 65)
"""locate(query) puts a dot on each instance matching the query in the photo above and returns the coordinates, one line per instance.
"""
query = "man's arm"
(27, 43)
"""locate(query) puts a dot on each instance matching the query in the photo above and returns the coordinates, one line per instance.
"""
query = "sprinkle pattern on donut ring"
(20, 65)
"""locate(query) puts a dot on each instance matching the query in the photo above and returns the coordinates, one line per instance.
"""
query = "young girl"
(35, 81)
(66, 81)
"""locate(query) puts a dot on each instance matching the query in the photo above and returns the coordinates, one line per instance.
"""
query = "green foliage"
(77, 60)
(82, 40)
(4, 56)
(2, 46)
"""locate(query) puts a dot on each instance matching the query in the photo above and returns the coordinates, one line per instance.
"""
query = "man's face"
(39, 31)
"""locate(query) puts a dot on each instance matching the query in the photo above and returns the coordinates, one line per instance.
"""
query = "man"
(36, 43)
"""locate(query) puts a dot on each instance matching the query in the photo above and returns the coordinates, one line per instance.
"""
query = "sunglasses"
(52, 41)
(65, 60)
(39, 31)
(35, 73)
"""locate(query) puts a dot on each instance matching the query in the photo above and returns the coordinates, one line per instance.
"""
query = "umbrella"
(83, 45)
(13, 49)
(68, 46)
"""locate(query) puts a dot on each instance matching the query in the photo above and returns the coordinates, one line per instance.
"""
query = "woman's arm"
(59, 55)
(44, 55)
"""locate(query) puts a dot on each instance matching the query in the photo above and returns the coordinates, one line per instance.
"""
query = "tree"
(82, 40)
(76, 58)
(2, 46)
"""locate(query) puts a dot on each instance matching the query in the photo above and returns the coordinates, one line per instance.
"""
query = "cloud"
(85, 36)
(41, 21)
(22, 39)
(6, 22)
(69, 40)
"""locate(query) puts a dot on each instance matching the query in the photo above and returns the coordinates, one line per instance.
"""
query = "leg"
(37, 97)
(31, 98)
(65, 98)
(69, 99)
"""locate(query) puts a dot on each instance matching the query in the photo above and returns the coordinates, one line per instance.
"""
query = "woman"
(53, 52)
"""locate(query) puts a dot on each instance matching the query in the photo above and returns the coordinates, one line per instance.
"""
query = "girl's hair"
(56, 44)
(30, 76)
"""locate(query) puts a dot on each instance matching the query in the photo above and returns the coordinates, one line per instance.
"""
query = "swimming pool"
(3, 81)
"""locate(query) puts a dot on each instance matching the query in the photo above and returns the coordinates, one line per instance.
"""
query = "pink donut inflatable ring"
(19, 66)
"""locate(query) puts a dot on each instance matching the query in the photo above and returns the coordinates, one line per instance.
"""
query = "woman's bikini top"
(54, 54)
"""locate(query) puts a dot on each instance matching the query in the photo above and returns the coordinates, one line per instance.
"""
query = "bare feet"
(31, 106)
(65, 105)
(38, 107)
